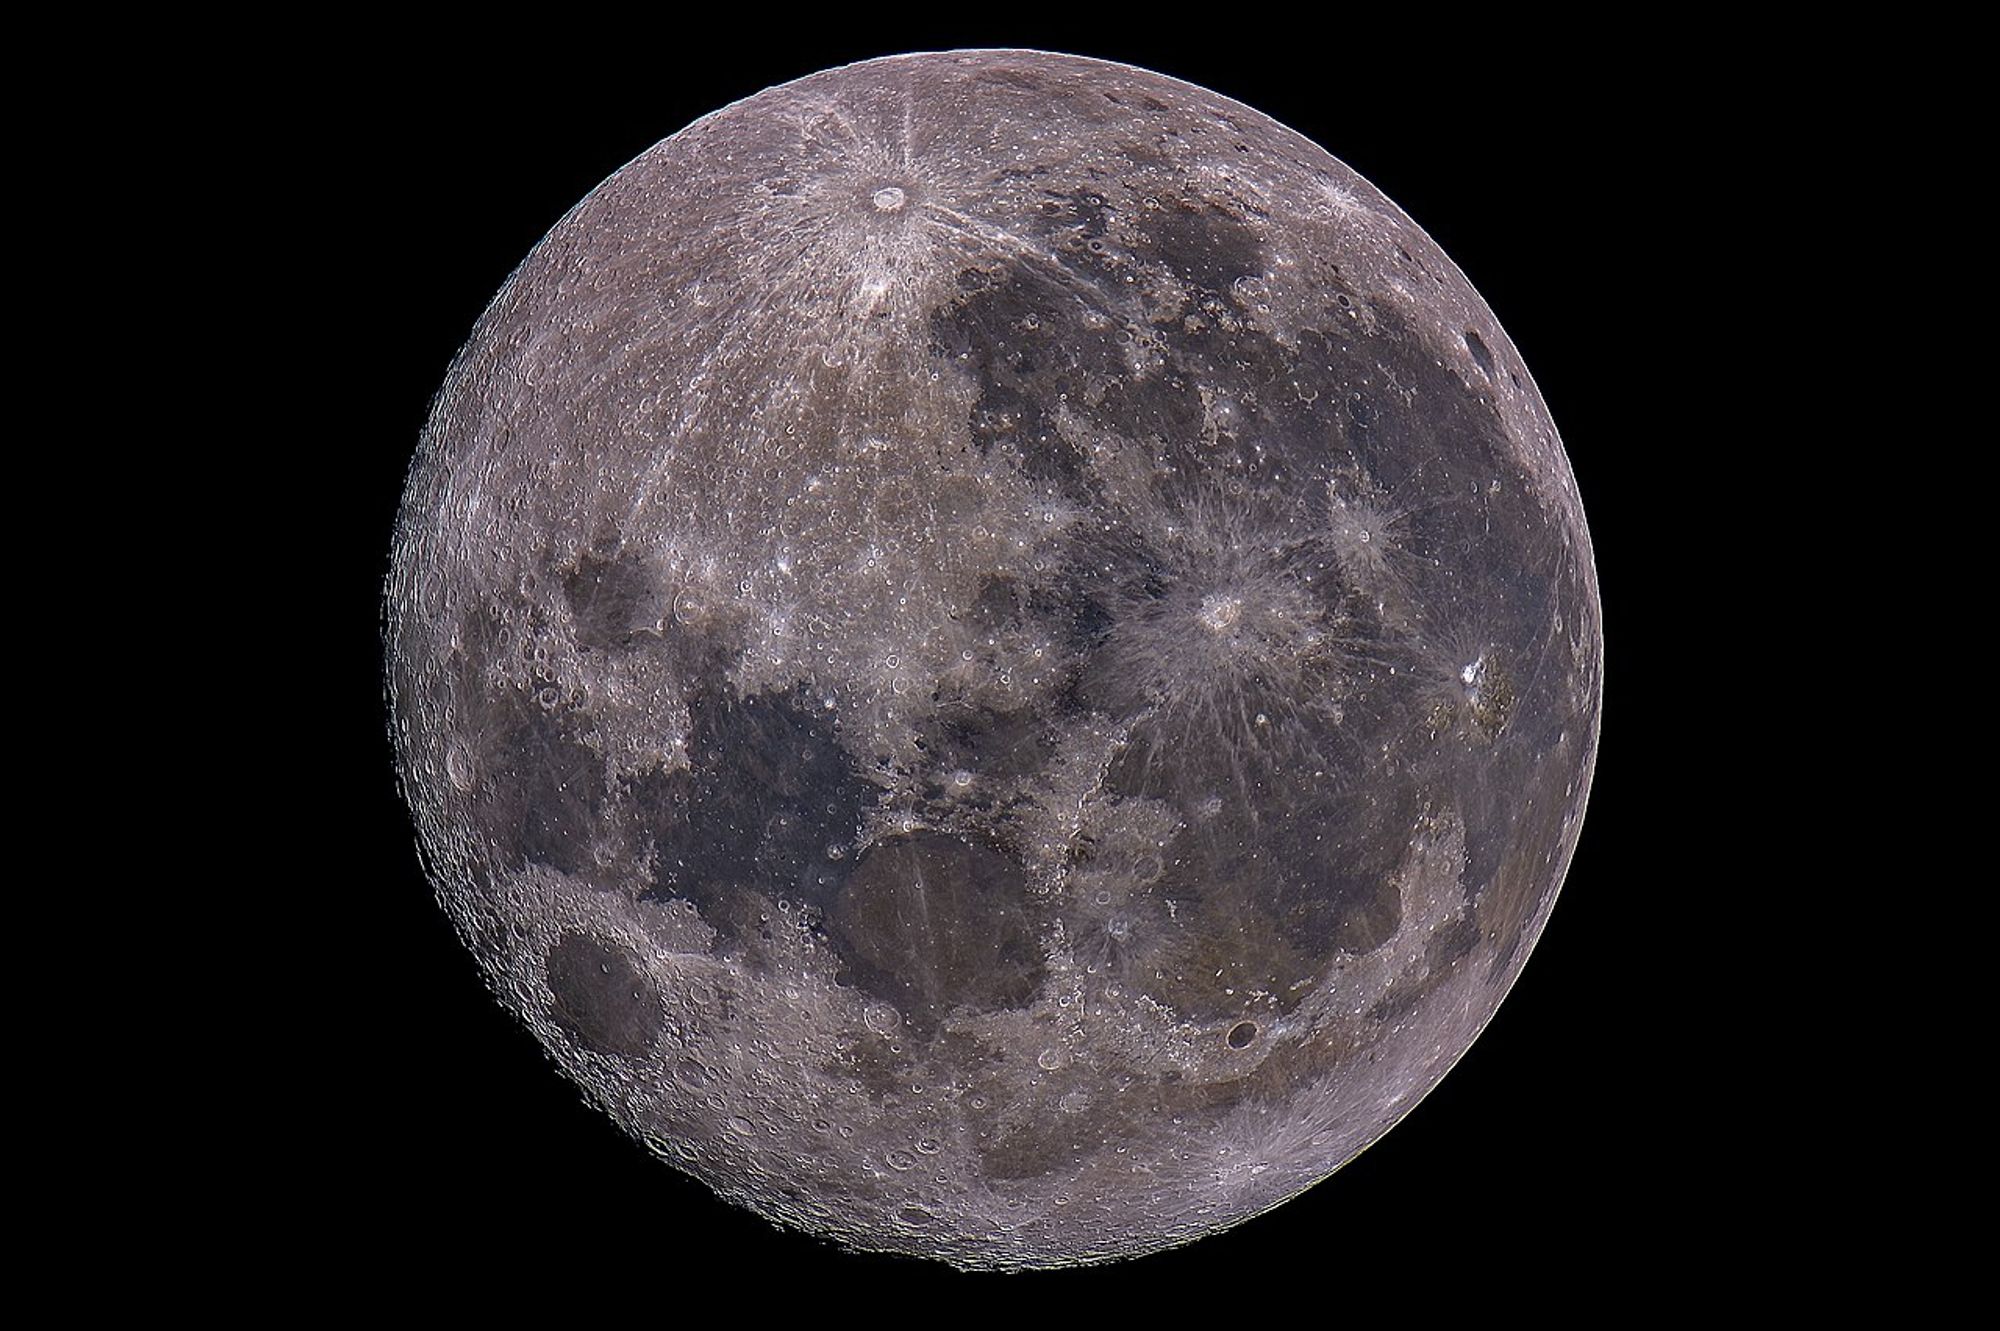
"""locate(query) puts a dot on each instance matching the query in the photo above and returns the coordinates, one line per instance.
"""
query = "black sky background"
(1564, 1148)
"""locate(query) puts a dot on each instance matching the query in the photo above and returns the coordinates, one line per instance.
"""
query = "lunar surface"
(997, 654)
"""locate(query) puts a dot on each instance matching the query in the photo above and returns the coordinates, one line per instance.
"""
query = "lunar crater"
(980, 651)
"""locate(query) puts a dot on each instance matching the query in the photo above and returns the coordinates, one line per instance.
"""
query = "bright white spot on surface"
(1219, 613)
(889, 198)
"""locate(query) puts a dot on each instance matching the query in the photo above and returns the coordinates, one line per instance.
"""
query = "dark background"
(1567, 174)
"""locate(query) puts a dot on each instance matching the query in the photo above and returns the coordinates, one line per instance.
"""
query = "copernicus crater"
(997, 654)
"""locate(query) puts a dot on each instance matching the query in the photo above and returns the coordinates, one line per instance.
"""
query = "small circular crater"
(1241, 1034)
(458, 766)
(1220, 612)
(889, 198)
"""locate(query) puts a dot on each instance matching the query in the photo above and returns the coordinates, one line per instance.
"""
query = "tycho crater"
(997, 654)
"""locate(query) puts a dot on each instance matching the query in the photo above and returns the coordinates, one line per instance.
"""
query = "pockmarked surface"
(997, 654)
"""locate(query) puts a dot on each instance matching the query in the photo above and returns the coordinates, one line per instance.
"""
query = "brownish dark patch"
(931, 922)
(600, 997)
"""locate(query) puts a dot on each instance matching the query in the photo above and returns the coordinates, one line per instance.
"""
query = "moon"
(997, 654)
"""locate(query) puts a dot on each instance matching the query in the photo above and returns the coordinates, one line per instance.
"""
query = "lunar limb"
(997, 654)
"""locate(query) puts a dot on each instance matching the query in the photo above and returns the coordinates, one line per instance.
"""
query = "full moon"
(997, 654)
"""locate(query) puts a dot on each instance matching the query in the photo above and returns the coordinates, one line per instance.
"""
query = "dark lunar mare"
(932, 922)
(769, 790)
